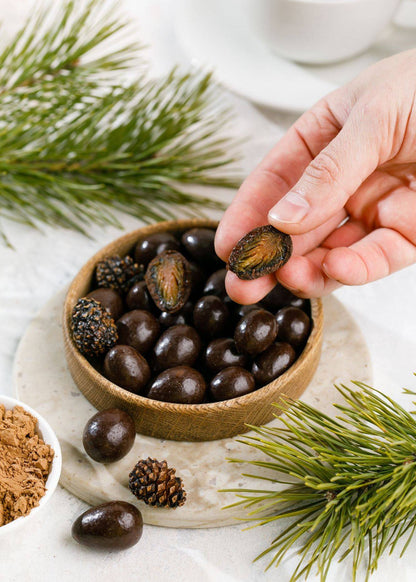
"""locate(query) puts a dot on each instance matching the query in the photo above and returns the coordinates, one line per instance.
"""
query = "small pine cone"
(119, 274)
(155, 484)
(93, 329)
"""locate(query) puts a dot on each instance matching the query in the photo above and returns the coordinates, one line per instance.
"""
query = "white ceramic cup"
(321, 31)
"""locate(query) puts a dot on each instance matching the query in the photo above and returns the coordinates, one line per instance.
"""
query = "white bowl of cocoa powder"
(30, 463)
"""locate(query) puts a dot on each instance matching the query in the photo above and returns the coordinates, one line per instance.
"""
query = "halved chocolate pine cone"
(168, 280)
(260, 252)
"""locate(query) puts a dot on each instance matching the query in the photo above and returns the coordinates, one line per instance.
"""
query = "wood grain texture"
(183, 422)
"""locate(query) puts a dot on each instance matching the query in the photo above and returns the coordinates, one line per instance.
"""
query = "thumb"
(331, 178)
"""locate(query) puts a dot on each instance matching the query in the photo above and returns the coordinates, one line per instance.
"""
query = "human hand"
(342, 182)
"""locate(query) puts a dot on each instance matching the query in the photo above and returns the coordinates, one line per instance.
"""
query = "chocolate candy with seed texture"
(168, 280)
(260, 252)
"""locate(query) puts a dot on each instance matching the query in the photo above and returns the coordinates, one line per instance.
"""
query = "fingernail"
(291, 208)
(325, 268)
(328, 276)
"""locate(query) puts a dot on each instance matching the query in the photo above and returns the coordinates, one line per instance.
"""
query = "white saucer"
(217, 35)
(42, 380)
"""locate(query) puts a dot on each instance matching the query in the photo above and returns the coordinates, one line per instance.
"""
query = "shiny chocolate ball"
(222, 353)
(231, 382)
(301, 303)
(110, 299)
(139, 329)
(280, 297)
(211, 316)
(230, 304)
(154, 244)
(126, 368)
(294, 326)
(138, 297)
(240, 311)
(215, 284)
(114, 525)
(199, 244)
(198, 278)
(271, 363)
(255, 332)
(109, 435)
(181, 384)
(179, 345)
(182, 317)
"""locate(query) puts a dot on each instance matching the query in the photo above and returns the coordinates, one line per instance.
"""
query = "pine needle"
(352, 481)
(79, 141)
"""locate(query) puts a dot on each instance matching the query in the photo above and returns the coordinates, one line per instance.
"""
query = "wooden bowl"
(184, 422)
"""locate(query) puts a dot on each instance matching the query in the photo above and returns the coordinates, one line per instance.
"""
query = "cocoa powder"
(25, 462)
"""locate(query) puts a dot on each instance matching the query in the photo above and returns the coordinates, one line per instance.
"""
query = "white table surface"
(42, 263)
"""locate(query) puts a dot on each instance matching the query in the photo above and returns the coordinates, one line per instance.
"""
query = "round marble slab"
(42, 380)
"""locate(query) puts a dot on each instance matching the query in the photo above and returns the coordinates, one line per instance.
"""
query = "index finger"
(275, 175)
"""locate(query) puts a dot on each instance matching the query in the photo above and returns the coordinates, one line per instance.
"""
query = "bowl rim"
(254, 397)
(48, 435)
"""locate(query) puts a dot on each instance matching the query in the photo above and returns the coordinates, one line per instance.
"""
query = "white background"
(42, 263)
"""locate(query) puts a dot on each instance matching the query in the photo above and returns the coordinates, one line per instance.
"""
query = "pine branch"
(52, 42)
(352, 481)
(78, 141)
